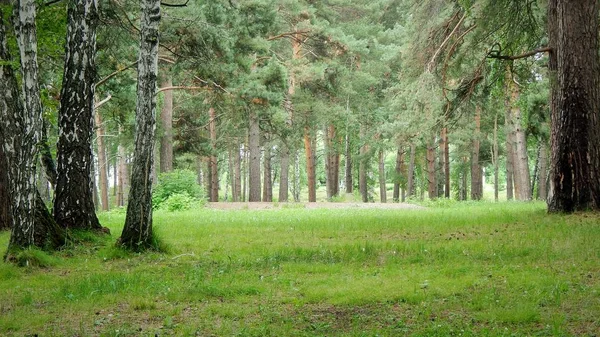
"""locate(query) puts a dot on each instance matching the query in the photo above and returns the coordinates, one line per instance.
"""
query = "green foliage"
(178, 182)
(177, 202)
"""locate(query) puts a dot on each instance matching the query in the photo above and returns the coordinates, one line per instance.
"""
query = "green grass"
(475, 269)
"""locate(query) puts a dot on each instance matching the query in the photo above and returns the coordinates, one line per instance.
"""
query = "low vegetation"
(479, 269)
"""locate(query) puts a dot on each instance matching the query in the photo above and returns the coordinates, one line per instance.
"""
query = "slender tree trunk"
(348, 167)
(398, 171)
(382, 179)
(284, 175)
(123, 173)
(410, 186)
(331, 163)
(310, 165)
(102, 162)
(296, 186)
(363, 186)
(74, 205)
(543, 172)
(137, 232)
(254, 147)
(510, 153)
(166, 120)
(213, 169)
(267, 179)
(432, 185)
(446, 161)
(476, 178)
(575, 173)
(237, 171)
(115, 178)
(495, 158)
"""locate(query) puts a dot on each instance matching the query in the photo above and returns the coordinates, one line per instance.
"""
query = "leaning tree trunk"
(575, 173)
(74, 205)
(137, 232)
(166, 121)
(31, 224)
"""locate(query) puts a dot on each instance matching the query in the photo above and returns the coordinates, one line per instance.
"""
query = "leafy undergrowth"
(481, 269)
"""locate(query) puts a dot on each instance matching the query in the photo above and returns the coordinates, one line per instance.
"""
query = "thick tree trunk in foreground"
(137, 232)
(166, 120)
(31, 224)
(254, 164)
(74, 205)
(575, 173)
(5, 212)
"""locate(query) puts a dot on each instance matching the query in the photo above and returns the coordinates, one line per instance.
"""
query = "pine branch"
(495, 54)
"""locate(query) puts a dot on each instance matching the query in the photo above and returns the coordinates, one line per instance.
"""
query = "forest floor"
(450, 269)
(309, 205)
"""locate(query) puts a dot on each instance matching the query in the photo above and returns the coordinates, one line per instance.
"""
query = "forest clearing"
(460, 269)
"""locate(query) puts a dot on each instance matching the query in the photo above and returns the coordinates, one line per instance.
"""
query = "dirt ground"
(309, 205)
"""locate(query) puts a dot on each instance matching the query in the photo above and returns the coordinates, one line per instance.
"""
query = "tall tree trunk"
(476, 178)
(510, 152)
(348, 166)
(285, 173)
(102, 162)
(575, 173)
(495, 157)
(254, 164)
(331, 163)
(115, 177)
(382, 187)
(123, 173)
(445, 161)
(310, 165)
(363, 186)
(410, 186)
(543, 172)
(166, 120)
(267, 179)
(137, 232)
(398, 171)
(213, 169)
(20, 129)
(74, 205)
(237, 171)
(432, 184)
(5, 211)
(521, 161)
(296, 187)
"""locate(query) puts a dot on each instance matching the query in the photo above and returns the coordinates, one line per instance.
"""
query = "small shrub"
(177, 182)
(177, 202)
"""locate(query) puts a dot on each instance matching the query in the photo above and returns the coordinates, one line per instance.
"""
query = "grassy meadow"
(475, 269)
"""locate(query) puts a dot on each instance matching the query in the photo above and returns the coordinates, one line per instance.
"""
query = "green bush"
(179, 182)
(177, 202)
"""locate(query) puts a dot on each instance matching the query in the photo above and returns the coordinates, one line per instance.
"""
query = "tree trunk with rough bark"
(543, 172)
(285, 173)
(137, 233)
(510, 152)
(348, 167)
(5, 211)
(522, 177)
(166, 121)
(476, 176)
(495, 158)
(267, 178)
(20, 130)
(398, 171)
(575, 95)
(74, 205)
(237, 172)
(445, 147)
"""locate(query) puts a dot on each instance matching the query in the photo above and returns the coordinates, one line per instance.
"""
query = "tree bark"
(123, 173)
(237, 172)
(102, 162)
(495, 158)
(363, 186)
(31, 223)
(510, 152)
(267, 179)
(476, 178)
(213, 169)
(5, 211)
(348, 166)
(310, 165)
(522, 177)
(74, 205)
(285, 173)
(446, 161)
(137, 233)
(575, 173)
(410, 186)
(382, 179)
(166, 120)
(543, 172)
(432, 185)
(398, 171)
(254, 164)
